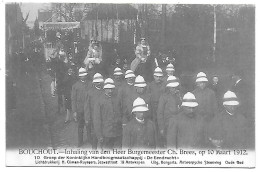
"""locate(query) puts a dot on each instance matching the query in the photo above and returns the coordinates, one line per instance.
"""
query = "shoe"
(67, 121)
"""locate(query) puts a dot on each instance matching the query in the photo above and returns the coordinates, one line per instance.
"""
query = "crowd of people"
(125, 111)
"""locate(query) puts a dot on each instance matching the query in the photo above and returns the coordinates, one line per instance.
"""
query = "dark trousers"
(81, 126)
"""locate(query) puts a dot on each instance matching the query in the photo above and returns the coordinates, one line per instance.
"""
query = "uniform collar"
(97, 88)
(229, 113)
(139, 120)
(238, 81)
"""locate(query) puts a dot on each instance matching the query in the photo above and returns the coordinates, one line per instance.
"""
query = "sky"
(33, 9)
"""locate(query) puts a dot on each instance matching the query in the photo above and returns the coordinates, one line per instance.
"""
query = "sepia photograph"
(129, 84)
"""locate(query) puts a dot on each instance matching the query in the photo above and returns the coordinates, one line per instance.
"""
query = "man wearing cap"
(205, 97)
(107, 118)
(170, 70)
(229, 128)
(118, 78)
(92, 95)
(79, 90)
(140, 132)
(186, 130)
(125, 93)
(156, 88)
(168, 107)
(142, 92)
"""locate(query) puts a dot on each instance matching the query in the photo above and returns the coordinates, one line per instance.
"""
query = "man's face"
(117, 77)
(70, 71)
(157, 79)
(169, 73)
(108, 91)
(130, 80)
(230, 108)
(142, 42)
(188, 111)
(95, 47)
(215, 80)
(139, 90)
(201, 85)
(139, 115)
(173, 90)
(82, 78)
(98, 85)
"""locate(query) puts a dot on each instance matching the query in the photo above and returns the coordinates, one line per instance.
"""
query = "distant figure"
(94, 56)
(140, 64)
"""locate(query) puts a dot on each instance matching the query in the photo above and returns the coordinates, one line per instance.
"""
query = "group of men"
(125, 111)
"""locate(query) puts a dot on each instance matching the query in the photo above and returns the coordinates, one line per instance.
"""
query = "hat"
(82, 72)
(139, 81)
(142, 38)
(109, 83)
(118, 71)
(172, 81)
(158, 72)
(98, 78)
(129, 74)
(230, 98)
(189, 100)
(139, 105)
(201, 77)
(170, 67)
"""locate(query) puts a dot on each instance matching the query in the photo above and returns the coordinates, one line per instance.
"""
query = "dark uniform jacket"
(168, 107)
(232, 130)
(107, 117)
(92, 95)
(207, 103)
(124, 97)
(185, 132)
(139, 135)
(79, 90)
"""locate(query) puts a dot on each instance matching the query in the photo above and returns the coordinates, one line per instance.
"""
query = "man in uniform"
(186, 130)
(156, 88)
(79, 90)
(107, 118)
(124, 96)
(229, 128)
(168, 107)
(170, 70)
(118, 78)
(142, 92)
(92, 95)
(140, 132)
(206, 98)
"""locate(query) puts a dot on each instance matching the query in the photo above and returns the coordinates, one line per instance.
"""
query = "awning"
(61, 25)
